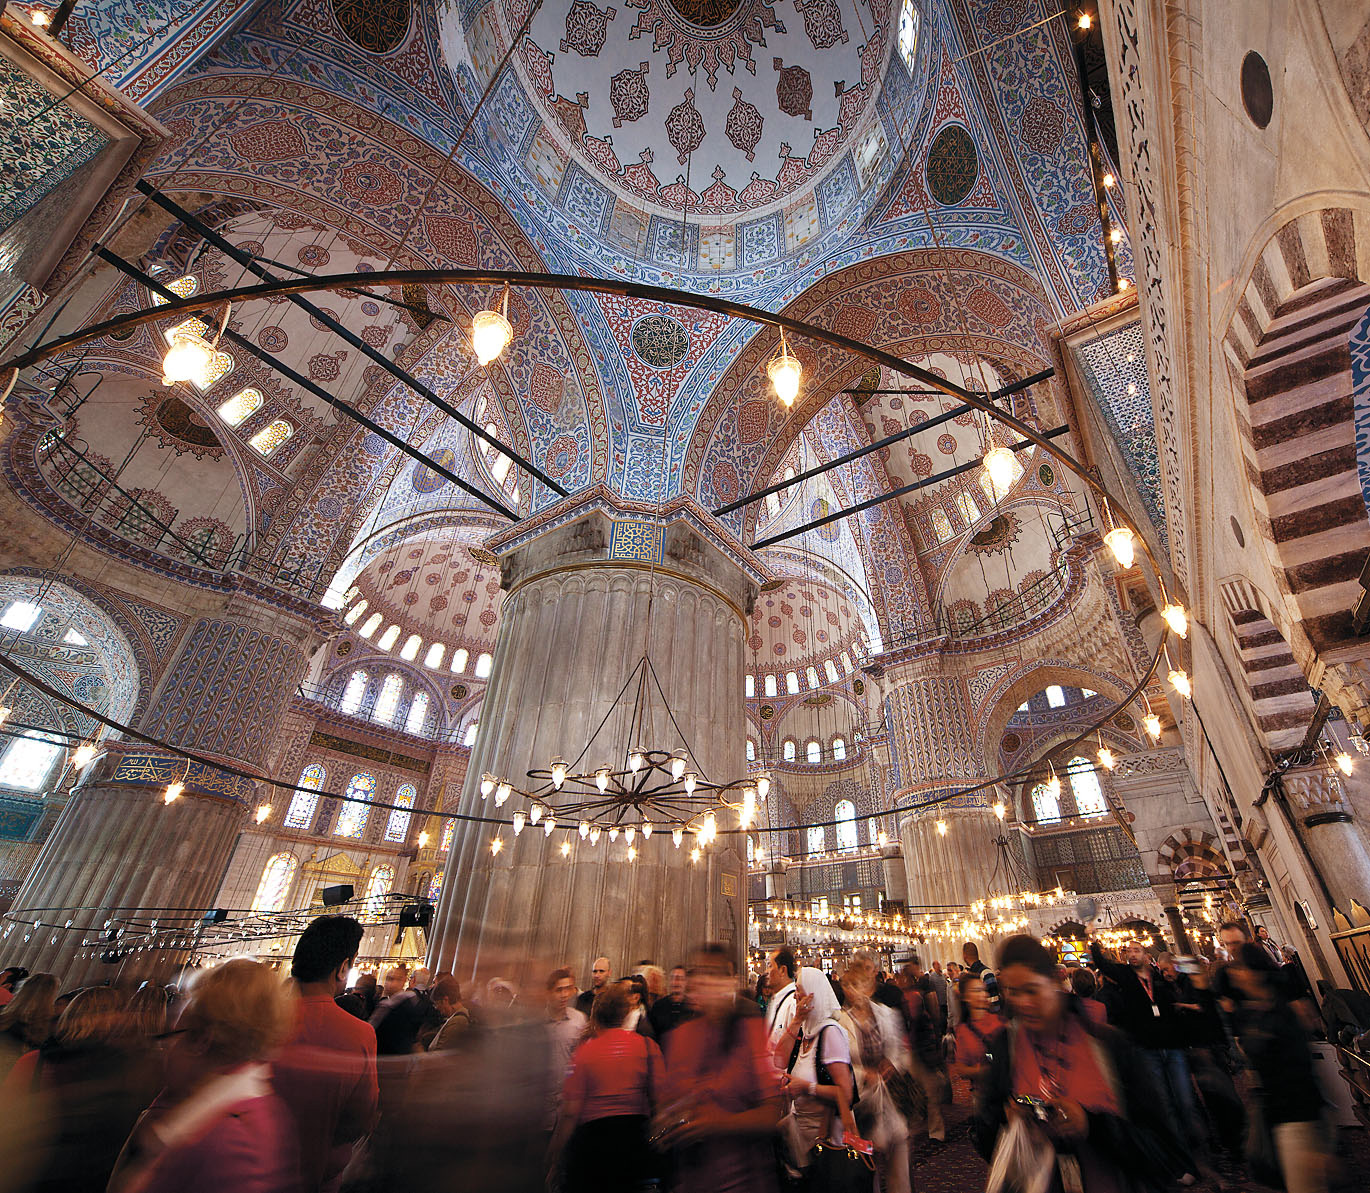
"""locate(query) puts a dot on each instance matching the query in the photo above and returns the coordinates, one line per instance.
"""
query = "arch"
(274, 888)
(1028, 678)
(1278, 698)
(303, 803)
(352, 815)
(379, 885)
(397, 826)
(844, 813)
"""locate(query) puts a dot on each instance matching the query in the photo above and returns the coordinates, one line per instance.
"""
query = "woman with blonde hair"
(217, 1127)
(879, 1051)
(27, 1019)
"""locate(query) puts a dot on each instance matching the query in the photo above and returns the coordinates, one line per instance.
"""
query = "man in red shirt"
(326, 1072)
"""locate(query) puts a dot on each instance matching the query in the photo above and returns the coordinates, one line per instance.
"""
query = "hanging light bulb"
(584, 829)
(636, 760)
(632, 853)
(1180, 682)
(690, 779)
(710, 832)
(497, 844)
(549, 824)
(999, 809)
(188, 358)
(647, 830)
(941, 828)
(763, 785)
(1001, 469)
(613, 832)
(594, 835)
(1343, 762)
(1119, 540)
(488, 783)
(491, 330)
(566, 849)
(264, 810)
(694, 855)
(1106, 759)
(1174, 616)
(677, 767)
(173, 792)
(1109, 182)
(602, 779)
(629, 833)
(559, 769)
(502, 792)
(1085, 20)
(535, 813)
(784, 371)
(519, 819)
(1054, 785)
(85, 752)
(1152, 723)
(677, 835)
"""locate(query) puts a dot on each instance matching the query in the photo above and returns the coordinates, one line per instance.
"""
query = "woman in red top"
(978, 1024)
(609, 1097)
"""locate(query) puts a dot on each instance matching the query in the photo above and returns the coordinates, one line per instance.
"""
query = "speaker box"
(416, 915)
(335, 895)
(215, 915)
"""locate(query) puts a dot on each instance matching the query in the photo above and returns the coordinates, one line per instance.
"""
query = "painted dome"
(757, 121)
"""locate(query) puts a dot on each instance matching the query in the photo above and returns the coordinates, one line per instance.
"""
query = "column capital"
(1316, 795)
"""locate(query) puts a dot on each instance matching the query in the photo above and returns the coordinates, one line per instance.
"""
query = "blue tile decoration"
(759, 242)
(636, 540)
(583, 199)
(1360, 393)
(838, 193)
(670, 245)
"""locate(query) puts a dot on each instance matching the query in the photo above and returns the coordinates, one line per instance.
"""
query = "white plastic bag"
(1023, 1160)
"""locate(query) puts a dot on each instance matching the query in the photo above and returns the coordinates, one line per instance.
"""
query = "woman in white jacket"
(879, 1049)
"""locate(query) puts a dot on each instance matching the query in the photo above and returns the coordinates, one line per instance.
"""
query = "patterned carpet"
(955, 1167)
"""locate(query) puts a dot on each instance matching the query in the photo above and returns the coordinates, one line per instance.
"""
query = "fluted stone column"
(1322, 813)
(118, 852)
(933, 745)
(583, 599)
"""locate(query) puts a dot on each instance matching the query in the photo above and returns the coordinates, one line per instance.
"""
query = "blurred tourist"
(879, 1054)
(26, 1020)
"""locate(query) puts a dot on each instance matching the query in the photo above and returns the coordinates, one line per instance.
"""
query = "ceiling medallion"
(719, 34)
(660, 341)
(377, 26)
(707, 13)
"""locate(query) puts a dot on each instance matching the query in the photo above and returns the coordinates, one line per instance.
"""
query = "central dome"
(709, 135)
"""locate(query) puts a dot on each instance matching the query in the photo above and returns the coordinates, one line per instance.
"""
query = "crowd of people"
(1111, 1073)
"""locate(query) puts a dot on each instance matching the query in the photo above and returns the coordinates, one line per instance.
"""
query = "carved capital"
(1314, 793)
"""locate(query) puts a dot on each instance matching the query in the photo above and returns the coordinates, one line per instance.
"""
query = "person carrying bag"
(824, 1151)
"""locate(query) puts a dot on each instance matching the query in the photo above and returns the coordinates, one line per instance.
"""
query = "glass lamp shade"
(188, 359)
(1174, 616)
(535, 813)
(490, 335)
(677, 836)
(173, 792)
(488, 782)
(1152, 724)
(1343, 761)
(1180, 682)
(785, 371)
(1054, 786)
(1119, 541)
(559, 769)
(1000, 467)
(84, 753)
(1106, 759)
(518, 823)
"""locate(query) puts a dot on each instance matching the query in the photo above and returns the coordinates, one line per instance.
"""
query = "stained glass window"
(352, 818)
(816, 839)
(751, 750)
(791, 683)
(190, 326)
(220, 366)
(241, 406)
(845, 815)
(182, 287)
(941, 524)
(354, 693)
(377, 887)
(839, 749)
(787, 751)
(814, 751)
(397, 827)
(355, 612)
(1045, 806)
(271, 436)
(459, 657)
(483, 665)
(830, 670)
(303, 803)
(435, 886)
(470, 737)
(1089, 796)
(969, 510)
(987, 486)
(749, 687)
(874, 824)
(434, 656)
(410, 650)
(771, 688)
(908, 34)
(1056, 696)
(388, 702)
(418, 713)
(21, 616)
(445, 843)
(811, 674)
(370, 626)
(387, 640)
(275, 884)
(28, 761)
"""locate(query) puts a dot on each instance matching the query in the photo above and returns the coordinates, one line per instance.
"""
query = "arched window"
(271, 436)
(370, 625)
(788, 749)
(969, 510)
(355, 612)
(839, 749)
(21, 616)
(941, 524)
(1045, 806)
(750, 687)
(1056, 697)
(433, 658)
(240, 407)
(352, 817)
(459, 657)
(28, 761)
(418, 713)
(846, 663)
(354, 693)
(1089, 796)
(435, 886)
(874, 825)
(771, 688)
(469, 738)
(791, 683)
(811, 674)
(397, 827)
(274, 887)
(183, 287)
(387, 640)
(751, 750)
(410, 650)
(377, 887)
(303, 803)
(483, 665)
(830, 670)
(817, 842)
(845, 815)
(814, 751)
(987, 487)
(445, 843)
(389, 700)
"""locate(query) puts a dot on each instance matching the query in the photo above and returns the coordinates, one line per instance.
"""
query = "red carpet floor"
(955, 1167)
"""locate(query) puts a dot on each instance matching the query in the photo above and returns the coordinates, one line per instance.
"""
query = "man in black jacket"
(1145, 1012)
